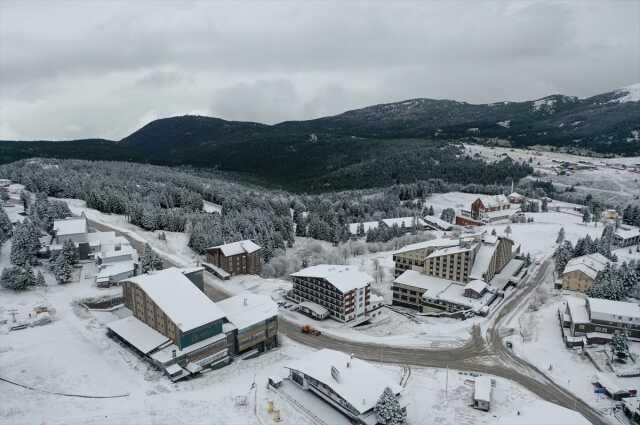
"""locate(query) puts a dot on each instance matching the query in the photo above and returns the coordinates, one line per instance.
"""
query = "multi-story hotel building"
(343, 290)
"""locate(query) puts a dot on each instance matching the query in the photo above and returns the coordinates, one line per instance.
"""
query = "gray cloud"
(101, 69)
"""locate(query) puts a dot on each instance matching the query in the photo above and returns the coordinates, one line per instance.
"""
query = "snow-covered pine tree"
(586, 215)
(62, 270)
(562, 255)
(25, 244)
(16, 278)
(388, 409)
(150, 260)
(40, 279)
(620, 346)
(69, 252)
(6, 228)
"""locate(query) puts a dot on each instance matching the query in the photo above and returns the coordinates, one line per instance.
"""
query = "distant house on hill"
(516, 198)
(626, 236)
(491, 208)
(242, 257)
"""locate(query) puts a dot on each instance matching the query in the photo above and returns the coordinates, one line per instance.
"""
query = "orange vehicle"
(308, 329)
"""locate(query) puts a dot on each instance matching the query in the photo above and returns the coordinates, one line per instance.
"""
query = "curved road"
(482, 355)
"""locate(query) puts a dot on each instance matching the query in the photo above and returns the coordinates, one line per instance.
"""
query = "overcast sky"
(76, 69)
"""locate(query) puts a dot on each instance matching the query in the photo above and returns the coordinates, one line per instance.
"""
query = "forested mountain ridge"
(378, 145)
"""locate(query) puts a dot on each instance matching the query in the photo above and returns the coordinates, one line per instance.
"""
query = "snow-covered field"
(609, 183)
(74, 355)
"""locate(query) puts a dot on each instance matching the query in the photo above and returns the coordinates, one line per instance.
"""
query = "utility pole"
(446, 386)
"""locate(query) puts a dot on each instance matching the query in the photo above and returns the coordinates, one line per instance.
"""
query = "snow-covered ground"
(609, 183)
(74, 355)
(538, 340)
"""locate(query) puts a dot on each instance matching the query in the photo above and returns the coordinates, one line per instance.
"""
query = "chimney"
(173, 354)
(245, 301)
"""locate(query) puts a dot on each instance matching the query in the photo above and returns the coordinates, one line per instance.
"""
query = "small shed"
(482, 393)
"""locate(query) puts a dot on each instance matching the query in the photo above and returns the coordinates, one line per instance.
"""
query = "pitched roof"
(482, 261)
(247, 309)
(361, 384)
(432, 219)
(590, 264)
(70, 226)
(241, 247)
(344, 278)
(179, 298)
(493, 201)
(476, 286)
(407, 221)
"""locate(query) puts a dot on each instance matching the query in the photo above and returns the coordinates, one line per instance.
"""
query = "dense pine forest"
(163, 198)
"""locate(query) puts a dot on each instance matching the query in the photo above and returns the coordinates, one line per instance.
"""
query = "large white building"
(350, 385)
(343, 290)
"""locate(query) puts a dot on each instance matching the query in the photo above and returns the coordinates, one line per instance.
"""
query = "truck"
(308, 329)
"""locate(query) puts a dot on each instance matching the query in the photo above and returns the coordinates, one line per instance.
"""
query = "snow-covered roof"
(104, 238)
(247, 309)
(70, 226)
(498, 214)
(494, 201)
(235, 248)
(450, 251)
(433, 243)
(109, 251)
(138, 334)
(358, 382)
(454, 293)
(353, 227)
(489, 238)
(476, 285)
(432, 219)
(431, 284)
(316, 308)
(577, 309)
(537, 411)
(344, 278)
(407, 221)
(614, 311)
(112, 269)
(589, 264)
(628, 233)
(165, 354)
(482, 389)
(515, 195)
(180, 299)
(482, 261)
